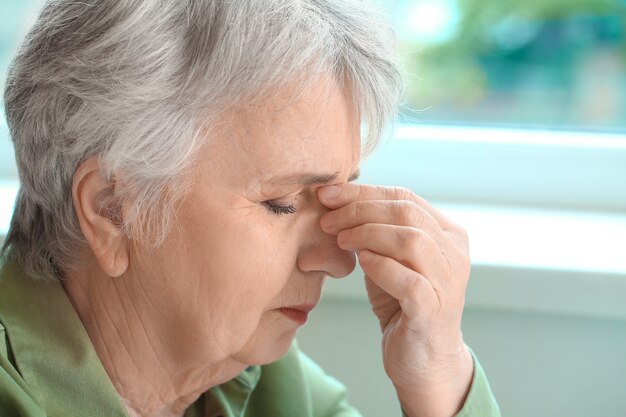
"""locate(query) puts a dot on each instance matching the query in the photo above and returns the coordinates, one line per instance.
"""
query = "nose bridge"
(320, 252)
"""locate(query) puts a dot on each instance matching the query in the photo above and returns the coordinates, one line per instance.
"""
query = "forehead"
(314, 133)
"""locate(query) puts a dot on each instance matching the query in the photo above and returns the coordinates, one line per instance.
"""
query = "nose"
(319, 251)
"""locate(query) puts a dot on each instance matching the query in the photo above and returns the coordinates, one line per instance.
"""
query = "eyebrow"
(308, 180)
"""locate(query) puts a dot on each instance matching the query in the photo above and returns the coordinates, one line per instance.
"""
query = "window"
(15, 18)
(511, 105)
(555, 63)
(515, 127)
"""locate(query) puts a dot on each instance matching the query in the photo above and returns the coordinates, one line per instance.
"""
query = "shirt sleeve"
(480, 401)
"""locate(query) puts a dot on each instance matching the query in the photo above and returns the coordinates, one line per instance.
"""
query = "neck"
(150, 371)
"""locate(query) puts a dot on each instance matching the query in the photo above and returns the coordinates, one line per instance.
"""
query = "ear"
(101, 225)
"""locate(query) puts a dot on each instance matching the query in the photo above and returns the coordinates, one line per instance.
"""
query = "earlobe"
(101, 224)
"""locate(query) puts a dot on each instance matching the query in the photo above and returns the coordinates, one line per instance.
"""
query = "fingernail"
(329, 192)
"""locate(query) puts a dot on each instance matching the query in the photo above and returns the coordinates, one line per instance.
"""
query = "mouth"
(297, 313)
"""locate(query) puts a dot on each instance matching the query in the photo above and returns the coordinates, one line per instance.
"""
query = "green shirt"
(48, 367)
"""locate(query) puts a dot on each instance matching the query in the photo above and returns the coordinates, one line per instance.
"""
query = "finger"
(412, 247)
(413, 291)
(394, 212)
(338, 195)
(384, 306)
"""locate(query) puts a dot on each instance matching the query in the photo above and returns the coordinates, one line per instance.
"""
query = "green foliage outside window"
(556, 63)
(532, 62)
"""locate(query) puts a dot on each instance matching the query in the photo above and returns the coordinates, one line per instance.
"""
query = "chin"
(261, 351)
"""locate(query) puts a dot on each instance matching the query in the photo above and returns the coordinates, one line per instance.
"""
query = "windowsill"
(537, 261)
(532, 260)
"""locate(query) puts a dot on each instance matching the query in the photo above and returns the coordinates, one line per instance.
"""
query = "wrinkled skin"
(169, 323)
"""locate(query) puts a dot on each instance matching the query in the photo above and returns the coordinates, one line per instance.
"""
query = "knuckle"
(463, 257)
(459, 234)
(467, 263)
(406, 194)
(385, 191)
(403, 214)
(463, 233)
(401, 193)
(419, 200)
(409, 214)
(459, 262)
(354, 210)
(412, 239)
(464, 266)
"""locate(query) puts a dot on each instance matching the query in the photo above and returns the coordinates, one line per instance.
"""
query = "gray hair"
(138, 83)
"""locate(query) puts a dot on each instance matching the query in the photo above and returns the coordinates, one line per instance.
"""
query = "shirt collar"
(52, 350)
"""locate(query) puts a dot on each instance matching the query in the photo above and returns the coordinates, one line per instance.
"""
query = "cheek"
(219, 279)
(240, 262)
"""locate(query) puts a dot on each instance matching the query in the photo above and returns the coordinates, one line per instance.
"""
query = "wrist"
(439, 394)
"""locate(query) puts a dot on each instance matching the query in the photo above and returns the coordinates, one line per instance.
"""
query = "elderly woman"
(186, 173)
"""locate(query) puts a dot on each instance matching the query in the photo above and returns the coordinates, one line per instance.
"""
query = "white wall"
(539, 365)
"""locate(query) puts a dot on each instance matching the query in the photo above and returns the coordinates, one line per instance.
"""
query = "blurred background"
(513, 125)
(556, 63)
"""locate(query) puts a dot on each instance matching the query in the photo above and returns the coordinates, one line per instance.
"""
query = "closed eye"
(280, 209)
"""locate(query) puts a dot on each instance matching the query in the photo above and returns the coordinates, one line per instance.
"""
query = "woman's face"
(248, 240)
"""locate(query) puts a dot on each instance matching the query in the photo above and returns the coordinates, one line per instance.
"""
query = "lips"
(301, 307)
(298, 313)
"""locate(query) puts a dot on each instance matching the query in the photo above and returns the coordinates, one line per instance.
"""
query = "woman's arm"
(328, 396)
(417, 264)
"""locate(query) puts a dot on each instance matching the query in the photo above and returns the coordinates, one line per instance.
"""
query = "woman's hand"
(416, 264)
